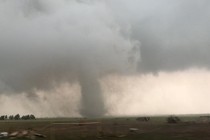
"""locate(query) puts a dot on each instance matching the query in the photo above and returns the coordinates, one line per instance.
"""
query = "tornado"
(92, 102)
(51, 48)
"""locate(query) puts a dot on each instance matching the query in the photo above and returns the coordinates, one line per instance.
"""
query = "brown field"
(190, 128)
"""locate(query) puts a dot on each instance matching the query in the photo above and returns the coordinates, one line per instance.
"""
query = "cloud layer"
(74, 46)
(45, 44)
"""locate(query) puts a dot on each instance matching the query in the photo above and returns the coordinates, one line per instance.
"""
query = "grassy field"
(157, 128)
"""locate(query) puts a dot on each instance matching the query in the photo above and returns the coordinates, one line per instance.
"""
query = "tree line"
(18, 117)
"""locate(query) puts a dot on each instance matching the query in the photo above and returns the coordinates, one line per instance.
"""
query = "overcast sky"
(79, 47)
(174, 35)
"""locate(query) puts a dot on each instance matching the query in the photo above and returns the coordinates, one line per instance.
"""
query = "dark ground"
(157, 128)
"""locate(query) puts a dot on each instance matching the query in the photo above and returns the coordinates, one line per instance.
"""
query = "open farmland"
(157, 128)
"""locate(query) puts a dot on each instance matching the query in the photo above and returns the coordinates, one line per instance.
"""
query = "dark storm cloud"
(46, 43)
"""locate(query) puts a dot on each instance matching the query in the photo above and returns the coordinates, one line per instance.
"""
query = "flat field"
(125, 128)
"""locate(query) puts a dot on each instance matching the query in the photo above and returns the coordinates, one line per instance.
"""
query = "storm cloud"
(174, 35)
(67, 56)
(47, 43)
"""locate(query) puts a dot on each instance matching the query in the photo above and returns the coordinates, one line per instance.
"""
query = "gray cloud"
(173, 34)
(176, 37)
(47, 43)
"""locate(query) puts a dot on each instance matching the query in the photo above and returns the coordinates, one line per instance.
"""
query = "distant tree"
(23, 117)
(32, 117)
(28, 117)
(11, 117)
(2, 117)
(5, 117)
(17, 117)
